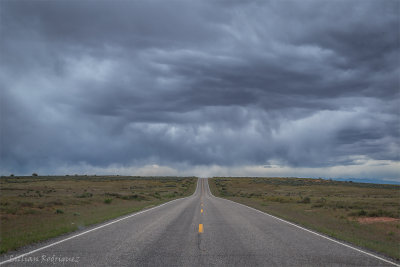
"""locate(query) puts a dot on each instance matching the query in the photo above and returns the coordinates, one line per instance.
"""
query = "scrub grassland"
(366, 215)
(36, 208)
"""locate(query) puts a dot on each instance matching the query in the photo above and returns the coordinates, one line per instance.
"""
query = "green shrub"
(381, 213)
(58, 211)
(362, 213)
(358, 213)
(305, 200)
(85, 195)
(113, 195)
(318, 205)
(135, 196)
(108, 200)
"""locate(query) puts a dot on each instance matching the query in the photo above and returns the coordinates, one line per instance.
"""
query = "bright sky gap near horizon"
(205, 88)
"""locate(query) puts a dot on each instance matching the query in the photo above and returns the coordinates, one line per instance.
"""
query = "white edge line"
(315, 233)
(91, 230)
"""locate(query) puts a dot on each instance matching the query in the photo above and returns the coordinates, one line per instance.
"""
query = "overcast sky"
(207, 88)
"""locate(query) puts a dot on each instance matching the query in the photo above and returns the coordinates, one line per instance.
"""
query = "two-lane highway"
(200, 230)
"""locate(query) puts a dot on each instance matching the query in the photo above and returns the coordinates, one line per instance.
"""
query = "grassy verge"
(366, 215)
(34, 209)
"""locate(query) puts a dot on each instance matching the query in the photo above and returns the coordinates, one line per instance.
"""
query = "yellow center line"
(201, 229)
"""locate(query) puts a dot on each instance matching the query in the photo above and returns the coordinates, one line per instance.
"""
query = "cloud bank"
(264, 88)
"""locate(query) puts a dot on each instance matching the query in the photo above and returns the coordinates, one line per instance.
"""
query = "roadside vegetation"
(36, 208)
(367, 215)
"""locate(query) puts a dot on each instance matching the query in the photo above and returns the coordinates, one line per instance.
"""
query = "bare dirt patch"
(367, 220)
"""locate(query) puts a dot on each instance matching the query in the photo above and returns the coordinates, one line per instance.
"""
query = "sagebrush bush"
(305, 200)
(58, 211)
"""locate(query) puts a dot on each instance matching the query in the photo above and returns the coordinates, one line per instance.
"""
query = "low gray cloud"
(191, 85)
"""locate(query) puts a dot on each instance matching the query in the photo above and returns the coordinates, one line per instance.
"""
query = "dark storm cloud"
(301, 84)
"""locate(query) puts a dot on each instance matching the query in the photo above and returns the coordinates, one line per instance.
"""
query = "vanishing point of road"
(200, 230)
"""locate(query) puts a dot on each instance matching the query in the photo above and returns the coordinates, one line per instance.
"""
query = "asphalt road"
(200, 230)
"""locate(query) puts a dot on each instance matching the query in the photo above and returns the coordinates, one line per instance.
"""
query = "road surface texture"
(200, 230)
